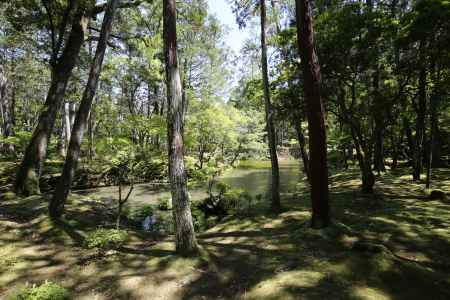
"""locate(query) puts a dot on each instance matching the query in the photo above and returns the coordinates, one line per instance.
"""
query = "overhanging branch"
(124, 4)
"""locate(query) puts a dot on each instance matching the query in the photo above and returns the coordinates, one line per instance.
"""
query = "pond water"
(254, 181)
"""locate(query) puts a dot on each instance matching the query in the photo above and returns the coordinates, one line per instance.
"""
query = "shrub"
(139, 214)
(106, 239)
(165, 203)
(198, 219)
(236, 199)
(45, 291)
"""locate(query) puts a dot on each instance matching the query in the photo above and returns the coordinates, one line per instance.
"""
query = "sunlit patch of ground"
(261, 256)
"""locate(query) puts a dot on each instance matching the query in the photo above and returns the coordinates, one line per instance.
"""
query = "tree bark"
(67, 122)
(434, 103)
(186, 243)
(27, 181)
(6, 109)
(271, 137)
(420, 126)
(315, 109)
(302, 145)
(91, 134)
(62, 133)
(378, 157)
(409, 140)
(73, 152)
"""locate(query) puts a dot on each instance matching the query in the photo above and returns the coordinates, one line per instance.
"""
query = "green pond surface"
(253, 180)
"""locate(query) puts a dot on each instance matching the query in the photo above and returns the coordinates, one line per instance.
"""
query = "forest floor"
(394, 244)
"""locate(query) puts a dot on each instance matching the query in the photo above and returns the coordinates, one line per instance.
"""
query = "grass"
(254, 164)
(254, 257)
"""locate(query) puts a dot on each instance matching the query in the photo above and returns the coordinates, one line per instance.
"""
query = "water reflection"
(254, 181)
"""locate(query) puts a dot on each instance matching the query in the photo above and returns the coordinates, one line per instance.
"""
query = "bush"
(45, 291)
(139, 214)
(236, 199)
(106, 239)
(198, 219)
(165, 204)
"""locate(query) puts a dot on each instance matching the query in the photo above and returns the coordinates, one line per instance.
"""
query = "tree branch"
(52, 30)
(62, 27)
(96, 38)
(101, 7)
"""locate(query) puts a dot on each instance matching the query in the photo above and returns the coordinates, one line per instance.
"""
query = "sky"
(235, 38)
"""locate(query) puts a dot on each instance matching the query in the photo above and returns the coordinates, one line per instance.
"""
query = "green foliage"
(165, 203)
(19, 141)
(254, 164)
(198, 219)
(138, 215)
(236, 200)
(46, 291)
(106, 239)
(200, 175)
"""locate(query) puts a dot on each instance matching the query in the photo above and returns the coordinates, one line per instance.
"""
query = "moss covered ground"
(257, 256)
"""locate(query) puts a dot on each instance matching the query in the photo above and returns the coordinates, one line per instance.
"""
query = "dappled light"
(224, 149)
(258, 257)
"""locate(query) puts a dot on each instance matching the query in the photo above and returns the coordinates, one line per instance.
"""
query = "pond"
(253, 180)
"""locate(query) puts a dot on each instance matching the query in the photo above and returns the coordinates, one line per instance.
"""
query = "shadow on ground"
(245, 257)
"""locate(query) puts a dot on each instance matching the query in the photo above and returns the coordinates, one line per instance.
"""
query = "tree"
(27, 181)
(73, 152)
(316, 123)
(275, 201)
(6, 107)
(184, 229)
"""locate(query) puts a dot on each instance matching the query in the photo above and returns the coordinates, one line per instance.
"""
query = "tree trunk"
(72, 113)
(67, 122)
(185, 240)
(434, 102)
(420, 126)
(409, 140)
(62, 135)
(302, 145)
(6, 109)
(27, 181)
(396, 145)
(364, 161)
(275, 203)
(91, 133)
(316, 123)
(378, 158)
(73, 152)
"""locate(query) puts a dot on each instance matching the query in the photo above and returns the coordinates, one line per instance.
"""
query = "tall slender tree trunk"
(62, 133)
(91, 134)
(409, 140)
(316, 123)
(7, 105)
(302, 145)
(185, 240)
(67, 122)
(420, 126)
(27, 181)
(396, 145)
(377, 103)
(72, 114)
(73, 152)
(271, 137)
(434, 104)
(431, 145)
(378, 157)
(363, 155)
